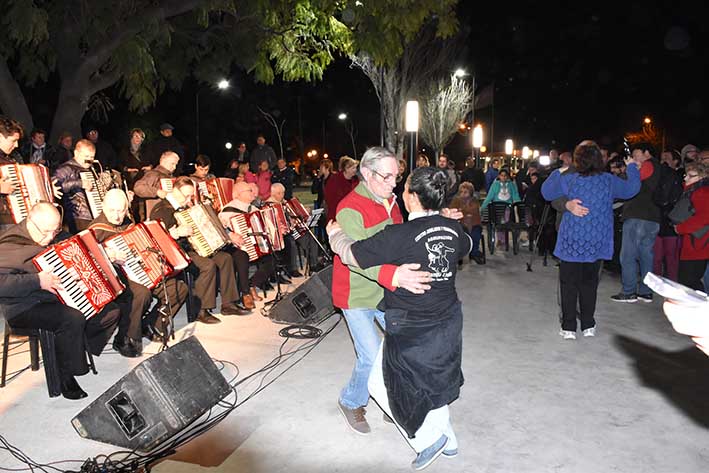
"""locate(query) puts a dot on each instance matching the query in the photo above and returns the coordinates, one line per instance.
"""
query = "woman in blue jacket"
(583, 242)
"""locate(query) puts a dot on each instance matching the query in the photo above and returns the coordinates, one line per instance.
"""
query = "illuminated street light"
(647, 120)
(223, 84)
(535, 154)
(411, 123)
(478, 136)
(342, 116)
(460, 73)
(509, 146)
(227, 145)
(526, 152)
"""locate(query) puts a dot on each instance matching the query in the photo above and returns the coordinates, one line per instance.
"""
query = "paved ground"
(633, 399)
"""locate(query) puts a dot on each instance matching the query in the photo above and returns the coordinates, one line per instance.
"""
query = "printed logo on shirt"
(437, 244)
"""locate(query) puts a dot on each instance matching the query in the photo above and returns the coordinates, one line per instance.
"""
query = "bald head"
(243, 192)
(84, 153)
(278, 192)
(169, 160)
(115, 206)
(43, 223)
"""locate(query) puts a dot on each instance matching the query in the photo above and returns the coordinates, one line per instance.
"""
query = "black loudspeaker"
(156, 400)
(309, 303)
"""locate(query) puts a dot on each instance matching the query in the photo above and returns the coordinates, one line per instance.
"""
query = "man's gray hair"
(373, 155)
(278, 185)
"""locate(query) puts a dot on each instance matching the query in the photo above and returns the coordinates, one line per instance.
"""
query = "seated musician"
(244, 195)
(27, 301)
(77, 214)
(206, 282)
(136, 299)
(306, 242)
(202, 165)
(148, 186)
(10, 134)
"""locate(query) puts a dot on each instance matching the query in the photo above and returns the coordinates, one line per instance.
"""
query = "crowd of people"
(400, 236)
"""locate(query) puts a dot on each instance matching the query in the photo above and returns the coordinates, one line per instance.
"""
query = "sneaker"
(590, 332)
(451, 453)
(621, 297)
(645, 297)
(355, 419)
(427, 456)
(567, 334)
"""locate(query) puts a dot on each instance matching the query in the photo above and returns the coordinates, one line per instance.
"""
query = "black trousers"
(134, 303)
(579, 285)
(690, 273)
(205, 289)
(176, 291)
(69, 327)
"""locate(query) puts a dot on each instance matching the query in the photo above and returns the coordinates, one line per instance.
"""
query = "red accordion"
(32, 185)
(298, 217)
(252, 229)
(276, 224)
(88, 280)
(151, 253)
(217, 190)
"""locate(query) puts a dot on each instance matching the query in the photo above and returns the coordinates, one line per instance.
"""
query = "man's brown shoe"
(233, 309)
(355, 419)
(207, 318)
(255, 295)
(248, 301)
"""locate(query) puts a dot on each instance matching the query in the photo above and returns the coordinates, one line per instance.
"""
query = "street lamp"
(349, 127)
(477, 142)
(509, 149)
(412, 127)
(221, 85)
(228, 145)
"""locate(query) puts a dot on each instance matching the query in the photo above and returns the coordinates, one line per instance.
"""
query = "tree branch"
(103, 81)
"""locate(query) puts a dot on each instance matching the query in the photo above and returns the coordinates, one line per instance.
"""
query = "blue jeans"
(637, 250)
(475, 234)
(366, 340)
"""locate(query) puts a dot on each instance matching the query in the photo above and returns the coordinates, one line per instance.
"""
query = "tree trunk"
(12, 101)
(71, 107)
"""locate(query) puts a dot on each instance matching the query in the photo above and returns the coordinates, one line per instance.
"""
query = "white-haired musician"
(27, 298)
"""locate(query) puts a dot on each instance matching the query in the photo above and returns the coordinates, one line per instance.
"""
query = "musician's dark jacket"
(19, 282)
(147, 187)
(165, 212)
(74, 199)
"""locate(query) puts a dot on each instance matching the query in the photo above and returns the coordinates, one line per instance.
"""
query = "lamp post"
(221, 85)
(462, 73)
(412, 128)
(349, 127)
(509, 149)
(477, 142)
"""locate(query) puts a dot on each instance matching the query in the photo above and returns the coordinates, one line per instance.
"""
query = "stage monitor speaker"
(156, 400)
(309, 303)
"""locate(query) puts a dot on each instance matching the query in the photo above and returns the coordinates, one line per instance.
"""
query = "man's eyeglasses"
(52, 232)
(385, 177)
(690, 176)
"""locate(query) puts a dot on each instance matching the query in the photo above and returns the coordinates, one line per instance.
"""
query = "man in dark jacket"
(285, 175)
(262, 152)
(68, 176)
(641, 223)
(105, 154)
(37, 151)
(166, 142)
(10, 134)
(27, 299)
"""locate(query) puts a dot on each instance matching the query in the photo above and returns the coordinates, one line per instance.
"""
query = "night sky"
(562, 72)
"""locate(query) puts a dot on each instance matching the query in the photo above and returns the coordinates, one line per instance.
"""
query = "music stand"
(309, 224)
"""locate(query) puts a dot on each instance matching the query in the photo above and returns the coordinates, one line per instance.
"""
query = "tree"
(271, 119)
(422, 60)
(140, 47)
(442, 109)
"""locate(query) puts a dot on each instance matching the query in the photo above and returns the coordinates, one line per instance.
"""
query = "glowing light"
(412, 116)
(483, 149)
(342, 116)
(535, 153)
(509, 146)
(526, 152)
(228, 145)
(325, 155)
(460, 73)
(477, 136)
(647, 120)
(544, 160)
(223, 84)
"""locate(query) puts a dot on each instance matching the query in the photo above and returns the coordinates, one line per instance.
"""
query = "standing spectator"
(667, 243)
(584, 241)
(340, 184)
(166, 142)
(284, 175)
(641, 223)
(262, 152)
(422, 161)
(244, 175)
(492, 173)
(689, 153)
(473, 175)
(694, 229)
(62, 152)
(443, 163)
(466, 202)
(263, 181)
(105, 154)
(242, 155)
(37, 151)
(132, 162)
(319, 182)
(77, 214)
(401, 177)
(232, 169)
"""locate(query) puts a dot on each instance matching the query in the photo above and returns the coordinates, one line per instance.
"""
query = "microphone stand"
(279, 267)
(165, 319)
(326, 254)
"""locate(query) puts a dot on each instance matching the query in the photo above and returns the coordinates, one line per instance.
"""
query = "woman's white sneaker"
(567, 334)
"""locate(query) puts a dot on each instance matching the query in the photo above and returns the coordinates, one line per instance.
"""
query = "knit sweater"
(590, 238)
(360, 215)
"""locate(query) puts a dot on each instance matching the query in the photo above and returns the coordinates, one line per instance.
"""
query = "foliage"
(443, 107)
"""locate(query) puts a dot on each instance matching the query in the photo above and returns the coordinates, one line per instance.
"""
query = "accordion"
(96, 194)
(166, 183)
(217, 190)
(208, 234)
(88, 280)
(152, 253)
(299, 216)
(275, 223)
(252, 229)
(32, 185)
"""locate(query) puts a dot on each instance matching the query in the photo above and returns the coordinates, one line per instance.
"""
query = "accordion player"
(31, 184)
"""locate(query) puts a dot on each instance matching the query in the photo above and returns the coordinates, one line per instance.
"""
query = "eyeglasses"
(690, 176)
(52, 232)
(385, 177)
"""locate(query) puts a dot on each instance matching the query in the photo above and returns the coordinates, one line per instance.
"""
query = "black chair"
(37, 338)
(496, 223)
(518, 224)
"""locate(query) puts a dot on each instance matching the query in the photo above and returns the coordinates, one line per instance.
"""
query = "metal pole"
(381, 107)
(413, 146)
(472, 120)
(196, 115)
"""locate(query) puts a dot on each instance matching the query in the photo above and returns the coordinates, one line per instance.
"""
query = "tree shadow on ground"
(681, 376)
